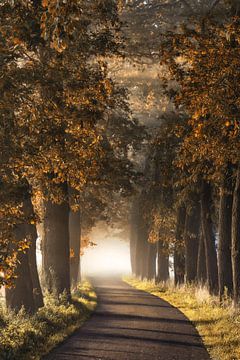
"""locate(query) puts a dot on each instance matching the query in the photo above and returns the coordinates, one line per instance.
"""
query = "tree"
(179, 250)
(235, 240)
(26, 290)
(62, 104)
(224, 231)
(208, 94)
(191, 237)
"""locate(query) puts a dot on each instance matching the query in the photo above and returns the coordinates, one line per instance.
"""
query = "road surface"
(130, 324)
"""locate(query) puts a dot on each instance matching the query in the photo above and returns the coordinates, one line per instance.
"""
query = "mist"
(110, 255)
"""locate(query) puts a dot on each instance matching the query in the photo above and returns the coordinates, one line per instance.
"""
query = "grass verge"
(218, 325)
(24, 337)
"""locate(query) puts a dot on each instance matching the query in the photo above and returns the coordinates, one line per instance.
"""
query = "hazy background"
(111, 255)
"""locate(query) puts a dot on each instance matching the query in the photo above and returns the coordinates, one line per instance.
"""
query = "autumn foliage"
(56, 101)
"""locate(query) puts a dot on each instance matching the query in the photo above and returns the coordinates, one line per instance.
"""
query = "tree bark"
(37, 291)
(209, 238)
(139, 255)
(133, 236)
(138, 245)
(201, 263)
(162, 263)
(191, 237)
(56, 249)
(151, 261)
(143, 235)
(179, 256)
(75, 246)
(133, 250)
(141, 242)
(32, 234)
(224, 229)
(22, 293)
(236, 240)
(141, 251)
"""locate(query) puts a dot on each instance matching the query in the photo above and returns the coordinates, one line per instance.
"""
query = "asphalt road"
(129, 324)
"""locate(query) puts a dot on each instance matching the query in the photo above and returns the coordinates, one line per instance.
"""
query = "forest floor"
(25, 337)
(219, 326)
(129, 324)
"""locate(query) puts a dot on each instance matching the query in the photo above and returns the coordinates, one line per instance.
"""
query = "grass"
(218, 325)
(24, 337)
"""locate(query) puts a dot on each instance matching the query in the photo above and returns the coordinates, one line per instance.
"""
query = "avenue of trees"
(65, 131)
(70, 146)
(187, 212)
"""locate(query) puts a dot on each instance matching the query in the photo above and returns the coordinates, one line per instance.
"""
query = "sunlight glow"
(110, 256)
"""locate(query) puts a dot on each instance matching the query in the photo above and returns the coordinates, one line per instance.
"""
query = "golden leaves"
(53, 22)
(23, 245)
(45, 3)
(55, 95)
(209, 94)
(86, 243)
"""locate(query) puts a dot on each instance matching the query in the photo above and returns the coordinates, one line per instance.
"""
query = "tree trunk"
(225, 240)
(22, 292)
(31, 232)
(138, 246)
(37, 291)
(191, 237)
(133, 236)
(141, 252)
(143, 235)
(133, 250)
(27, 291)
(209, 238)
(139, 256)
(179, 257)
(151, 261)
(201, 263)
(75, 244)
(236, 240)
(56, 249)
(141, 244)
(162, 263)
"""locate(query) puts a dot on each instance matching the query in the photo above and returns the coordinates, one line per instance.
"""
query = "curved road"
(130, 324)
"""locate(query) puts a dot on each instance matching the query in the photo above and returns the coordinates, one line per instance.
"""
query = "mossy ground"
(24, 337)
(218, 325)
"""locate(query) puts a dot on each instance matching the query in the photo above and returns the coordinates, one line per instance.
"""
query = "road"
(130, 324)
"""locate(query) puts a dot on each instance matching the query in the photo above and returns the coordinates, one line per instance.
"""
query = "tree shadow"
(95, 336)
(148, 330)
(112, 302)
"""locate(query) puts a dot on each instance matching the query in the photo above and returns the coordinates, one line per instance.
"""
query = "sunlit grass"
(26, 337)
(218, 326)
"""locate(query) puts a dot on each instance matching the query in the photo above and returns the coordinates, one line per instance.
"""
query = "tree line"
(65, 131)
(187, 210)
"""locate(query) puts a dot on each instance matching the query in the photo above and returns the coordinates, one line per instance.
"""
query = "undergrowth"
(25, 337)
(218, 325)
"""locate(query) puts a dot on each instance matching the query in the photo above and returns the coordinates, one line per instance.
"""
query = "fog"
(110, 256)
